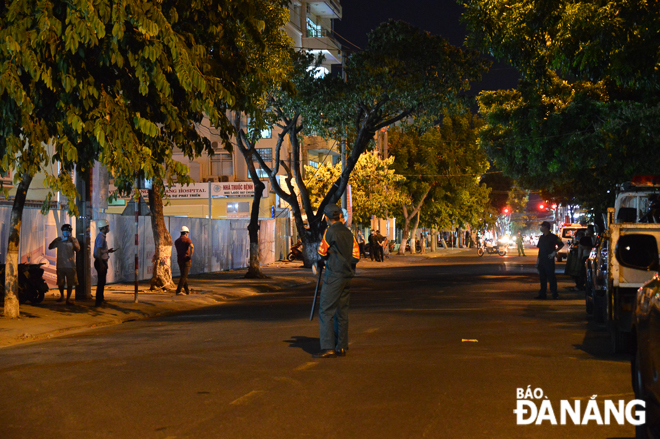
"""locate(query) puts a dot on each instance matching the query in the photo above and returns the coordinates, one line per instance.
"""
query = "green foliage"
(375, 187)
(446, 162)
(122, 82)
(577, 138)
(403, 72)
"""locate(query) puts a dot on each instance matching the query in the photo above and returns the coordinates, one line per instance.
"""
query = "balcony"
(326, 9)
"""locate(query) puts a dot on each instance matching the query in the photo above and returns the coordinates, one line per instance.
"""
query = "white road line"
(243, 399)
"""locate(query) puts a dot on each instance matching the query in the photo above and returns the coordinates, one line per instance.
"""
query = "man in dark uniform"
(372, 245)
(184, 252)
(341, 252)
(548, 245)
(378, 244)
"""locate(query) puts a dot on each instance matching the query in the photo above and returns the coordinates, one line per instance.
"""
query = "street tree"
(402, 73)
(375, 187)
(442, 167)
(118, 82)
(582, 118)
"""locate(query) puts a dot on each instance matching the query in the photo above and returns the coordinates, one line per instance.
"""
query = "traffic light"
(541, 206)
(506, 211)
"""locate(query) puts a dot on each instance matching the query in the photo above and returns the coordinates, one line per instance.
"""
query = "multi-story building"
(310, 28)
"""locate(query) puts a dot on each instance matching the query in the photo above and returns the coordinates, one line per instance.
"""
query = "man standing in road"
(184, 252)
(520, 243)
(548, 245)
(341, 252)
(101, 256)
(67, 245)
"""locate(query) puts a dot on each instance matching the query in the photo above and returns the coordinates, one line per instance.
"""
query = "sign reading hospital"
(238, 189)
(195, 190)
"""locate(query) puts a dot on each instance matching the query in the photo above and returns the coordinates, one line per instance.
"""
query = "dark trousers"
(361, 245)
(101, 267)
(333, 312)
(547, 274)
(184, 267)
(521, 250)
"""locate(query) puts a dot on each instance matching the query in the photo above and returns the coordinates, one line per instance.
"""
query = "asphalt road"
(244, 369)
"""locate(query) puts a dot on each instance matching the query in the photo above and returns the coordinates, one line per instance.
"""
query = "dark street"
(438, 349)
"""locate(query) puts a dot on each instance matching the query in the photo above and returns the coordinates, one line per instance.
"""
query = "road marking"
(371, 331)
(307, 366)
(243, 399)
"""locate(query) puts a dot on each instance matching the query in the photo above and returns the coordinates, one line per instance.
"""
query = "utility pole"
(343, 148)
(83, 202)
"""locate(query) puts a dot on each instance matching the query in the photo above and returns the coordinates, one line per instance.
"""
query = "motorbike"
(31, 284)
(295, 252)
(490, 248)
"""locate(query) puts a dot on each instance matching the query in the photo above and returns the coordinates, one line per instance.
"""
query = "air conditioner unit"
(211, 178)
(224, 178)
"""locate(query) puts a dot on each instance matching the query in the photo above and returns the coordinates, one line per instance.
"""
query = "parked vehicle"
(31, 284)
(295, 252)
(567, 233)
(639, 252)
(487, 247)
(631, 205)
(596, 282)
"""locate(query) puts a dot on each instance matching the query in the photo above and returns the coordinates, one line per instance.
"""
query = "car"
(567, 233)
(640, 252)
(596, 281)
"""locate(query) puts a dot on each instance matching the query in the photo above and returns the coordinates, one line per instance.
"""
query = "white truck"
(617, 300)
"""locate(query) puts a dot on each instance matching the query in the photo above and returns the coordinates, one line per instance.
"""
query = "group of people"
(67, 246)
(376, 245)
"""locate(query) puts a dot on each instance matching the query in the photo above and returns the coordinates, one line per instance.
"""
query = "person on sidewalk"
(67, 245)
(184, 252)
(548, 245)
(520, 243)
(372, 245)
(341, 252)
(378, 239)
(360, 241)
(101, 256)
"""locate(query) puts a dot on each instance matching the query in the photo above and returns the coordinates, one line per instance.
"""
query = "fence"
(219, 244)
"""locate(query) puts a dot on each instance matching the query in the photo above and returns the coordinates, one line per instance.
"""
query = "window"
(314, 164)
(261, 174)
(222, 164)
(266, 154)
(267, 133)
(238, 210)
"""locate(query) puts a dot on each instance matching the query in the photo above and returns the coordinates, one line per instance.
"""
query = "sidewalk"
(50, 318)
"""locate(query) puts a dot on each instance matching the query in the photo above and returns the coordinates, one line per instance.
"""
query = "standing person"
(520, 243)
(101, 256)
(341, 252)
(585, 244)
(67, 245)
(548, 245)
(372, 244)
(360, 241)
(184, 252)
(378, 240)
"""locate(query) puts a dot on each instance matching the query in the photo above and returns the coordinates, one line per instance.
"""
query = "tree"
(442, 167)
(375, 187)
(583, 116)
(121, 82)
(403, 72)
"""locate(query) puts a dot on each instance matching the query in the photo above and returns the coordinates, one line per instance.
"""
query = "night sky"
(440, 17)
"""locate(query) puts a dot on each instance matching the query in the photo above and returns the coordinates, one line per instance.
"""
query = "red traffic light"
(505, 210)
(541, 206)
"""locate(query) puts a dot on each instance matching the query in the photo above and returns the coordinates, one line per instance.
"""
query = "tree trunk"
(434, 240)
(162, 274)
(406, 231)
(254, 268)
(413, 248)
(11, 267)
(310, 253)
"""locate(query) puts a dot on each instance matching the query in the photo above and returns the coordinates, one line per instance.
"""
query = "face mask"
(66, 233)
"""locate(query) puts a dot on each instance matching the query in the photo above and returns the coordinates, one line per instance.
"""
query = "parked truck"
(630, 215)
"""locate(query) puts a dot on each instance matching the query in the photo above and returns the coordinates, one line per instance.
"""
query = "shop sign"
(237, 189)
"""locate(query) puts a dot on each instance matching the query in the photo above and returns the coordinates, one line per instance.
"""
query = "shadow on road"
(307, 344)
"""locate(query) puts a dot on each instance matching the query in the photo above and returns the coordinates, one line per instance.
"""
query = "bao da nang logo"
(533, 407)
